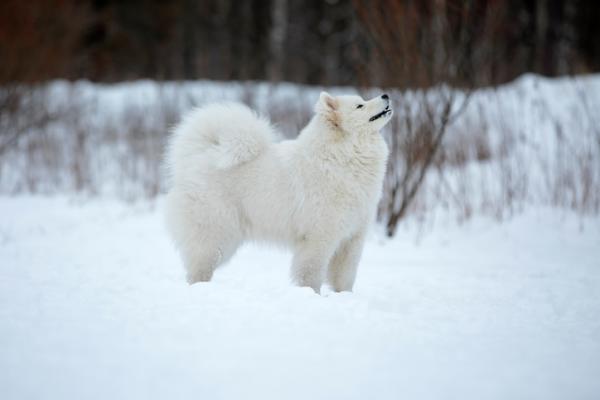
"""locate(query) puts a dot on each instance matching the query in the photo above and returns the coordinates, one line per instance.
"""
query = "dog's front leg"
(344, 263)
(309, 264)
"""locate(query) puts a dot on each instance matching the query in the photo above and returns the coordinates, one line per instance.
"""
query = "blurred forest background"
(326, 42)
(473, 131)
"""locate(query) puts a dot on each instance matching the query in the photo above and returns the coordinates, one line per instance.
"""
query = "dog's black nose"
(385, 96)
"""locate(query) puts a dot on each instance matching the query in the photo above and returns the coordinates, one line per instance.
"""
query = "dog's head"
(353, 114)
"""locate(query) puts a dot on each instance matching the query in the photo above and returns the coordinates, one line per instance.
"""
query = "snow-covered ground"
(93, 305)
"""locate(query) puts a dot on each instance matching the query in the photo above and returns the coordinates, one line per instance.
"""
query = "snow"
(94, 305)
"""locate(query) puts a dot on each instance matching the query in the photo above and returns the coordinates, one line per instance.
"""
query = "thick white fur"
(317, 194)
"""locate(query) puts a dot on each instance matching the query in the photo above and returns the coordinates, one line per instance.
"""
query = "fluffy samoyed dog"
(231, 181)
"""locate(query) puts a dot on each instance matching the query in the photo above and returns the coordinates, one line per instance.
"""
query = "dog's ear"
(328, 101)
(327, 107)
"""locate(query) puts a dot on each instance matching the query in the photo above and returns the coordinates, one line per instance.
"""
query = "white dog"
(317, 194)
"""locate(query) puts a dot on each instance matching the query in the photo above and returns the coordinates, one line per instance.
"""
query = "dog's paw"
(199, 276)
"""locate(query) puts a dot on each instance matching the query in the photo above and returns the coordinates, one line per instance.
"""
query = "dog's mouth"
(385, 112)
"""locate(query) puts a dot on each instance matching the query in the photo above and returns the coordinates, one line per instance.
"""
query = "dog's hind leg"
(207, 246)
(200, 263)
(204, 233)
(201, 259)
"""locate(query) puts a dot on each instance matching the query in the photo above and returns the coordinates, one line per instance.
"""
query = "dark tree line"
(331, 42)
(294, 40)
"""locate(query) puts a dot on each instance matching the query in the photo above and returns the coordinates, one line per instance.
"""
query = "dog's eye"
(359, 106)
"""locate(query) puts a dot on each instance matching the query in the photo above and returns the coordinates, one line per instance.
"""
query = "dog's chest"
(351, 184)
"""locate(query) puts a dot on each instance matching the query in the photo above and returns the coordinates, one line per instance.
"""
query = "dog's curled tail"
(219, 135)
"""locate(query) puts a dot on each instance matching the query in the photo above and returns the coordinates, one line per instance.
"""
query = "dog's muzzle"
(385, 112)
